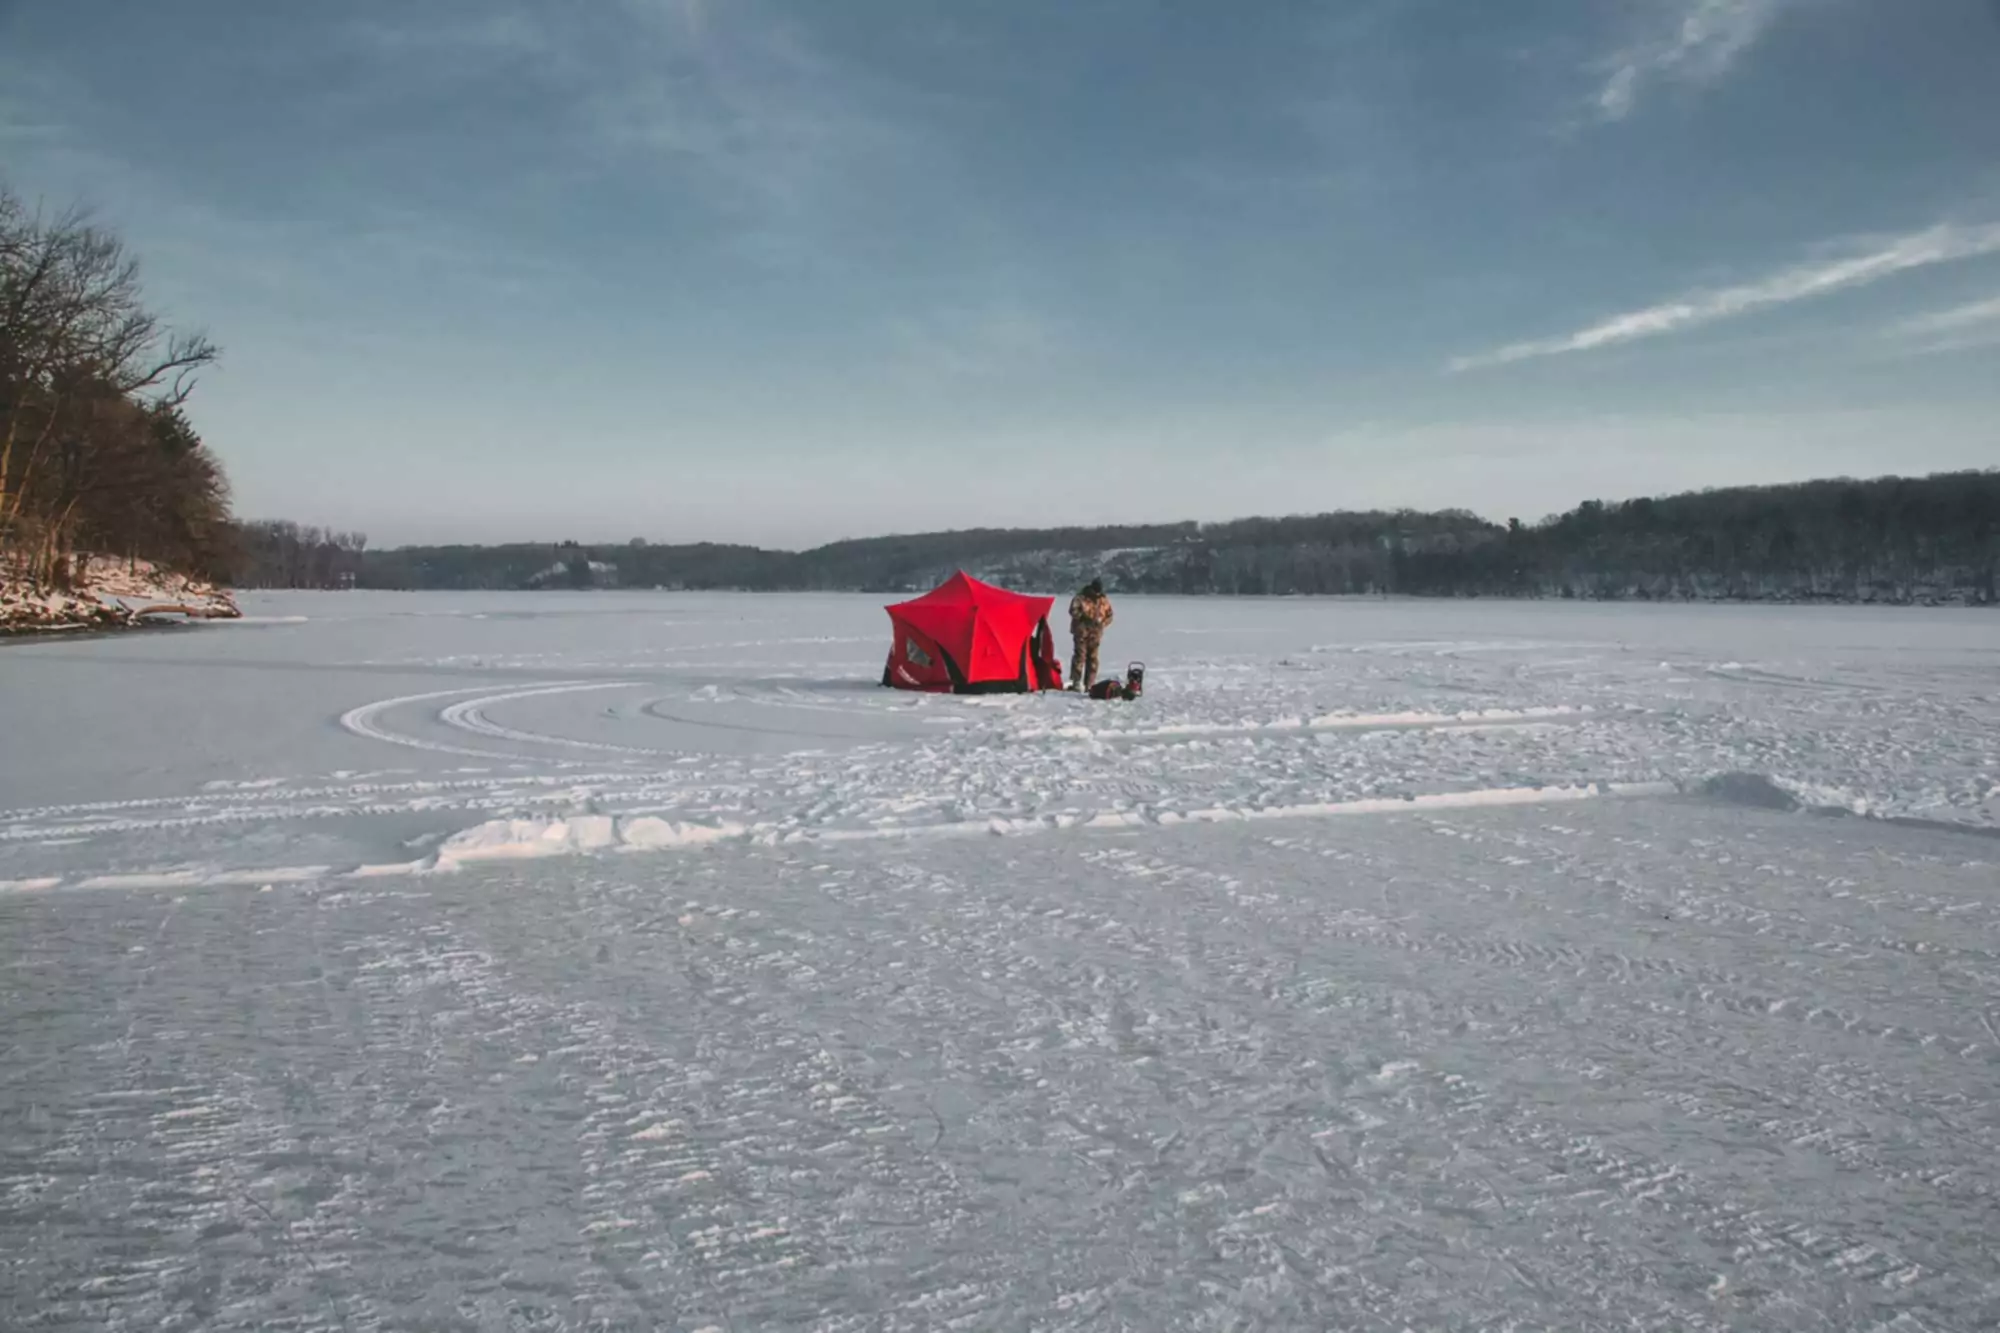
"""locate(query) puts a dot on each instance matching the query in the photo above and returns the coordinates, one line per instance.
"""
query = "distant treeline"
(282, 554)
(1929, 539)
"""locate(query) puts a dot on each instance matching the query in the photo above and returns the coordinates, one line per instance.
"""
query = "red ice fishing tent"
(968, 637)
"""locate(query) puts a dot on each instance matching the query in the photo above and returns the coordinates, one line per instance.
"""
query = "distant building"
(576, 573)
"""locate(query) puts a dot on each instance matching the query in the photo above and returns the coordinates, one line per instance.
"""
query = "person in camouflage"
(1089, 617)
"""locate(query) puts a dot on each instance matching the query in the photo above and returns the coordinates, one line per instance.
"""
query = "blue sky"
(783, 272)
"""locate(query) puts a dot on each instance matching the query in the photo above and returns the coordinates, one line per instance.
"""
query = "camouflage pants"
(1083, 658)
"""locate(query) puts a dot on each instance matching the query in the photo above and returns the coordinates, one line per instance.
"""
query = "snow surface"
(614, 960)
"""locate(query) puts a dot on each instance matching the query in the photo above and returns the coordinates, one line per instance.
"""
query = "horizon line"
(1113, 526)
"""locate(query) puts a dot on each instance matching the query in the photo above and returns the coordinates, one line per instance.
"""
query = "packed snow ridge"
(516, 839)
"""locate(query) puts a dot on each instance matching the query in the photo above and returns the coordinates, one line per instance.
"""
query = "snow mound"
(651, 833)
(518, 839)
(526, 839)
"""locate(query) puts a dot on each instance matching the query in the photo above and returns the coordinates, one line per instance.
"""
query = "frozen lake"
(592, 961)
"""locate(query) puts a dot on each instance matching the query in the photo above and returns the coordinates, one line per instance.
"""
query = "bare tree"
(91, 381)
(278, 553)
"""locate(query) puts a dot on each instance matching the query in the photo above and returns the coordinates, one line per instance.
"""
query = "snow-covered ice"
(633, 961)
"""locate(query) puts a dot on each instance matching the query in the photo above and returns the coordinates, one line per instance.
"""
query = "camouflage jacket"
(1089, 613)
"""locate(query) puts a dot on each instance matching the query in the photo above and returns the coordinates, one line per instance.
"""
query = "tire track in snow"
(792, 699)
(361, 722)
(470, 715)
(656, 708)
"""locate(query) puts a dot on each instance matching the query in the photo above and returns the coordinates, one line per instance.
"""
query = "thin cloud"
(1704, 42)
(735, 105)
(987, 342)
(1958, 319)
(500, 33)
(1936, 245)
(1974, 326)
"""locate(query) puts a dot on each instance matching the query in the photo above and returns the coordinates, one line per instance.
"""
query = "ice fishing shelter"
(968, 637)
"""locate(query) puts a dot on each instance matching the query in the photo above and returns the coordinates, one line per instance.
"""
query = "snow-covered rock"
(110, 593)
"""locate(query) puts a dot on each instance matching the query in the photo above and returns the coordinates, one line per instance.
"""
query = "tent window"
(916, 654)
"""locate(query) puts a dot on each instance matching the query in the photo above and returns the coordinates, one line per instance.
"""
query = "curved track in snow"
(362, 721)
(657, 708)
(470, 715)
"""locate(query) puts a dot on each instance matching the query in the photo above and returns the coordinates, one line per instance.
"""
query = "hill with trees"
(1932, 539)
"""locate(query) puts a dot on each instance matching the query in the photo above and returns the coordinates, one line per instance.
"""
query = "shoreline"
(111, 596)
(11, 635)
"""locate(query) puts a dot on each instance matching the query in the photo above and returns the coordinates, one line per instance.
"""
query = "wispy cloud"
(1957, 319)
(1701, 42)
(735, 108)
(1974, 325)
(994, 341)
(471, 39)
(1857, 268)
(770, 147)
